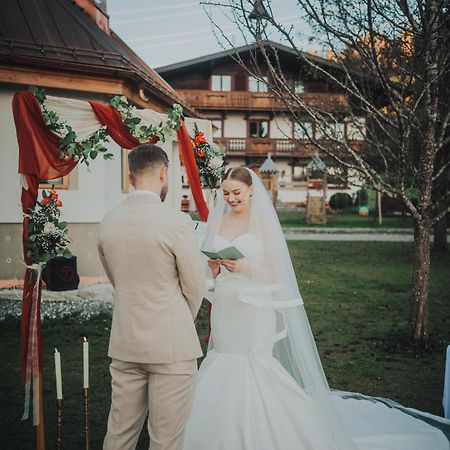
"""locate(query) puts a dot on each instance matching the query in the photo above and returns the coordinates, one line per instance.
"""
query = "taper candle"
(85, 362)
(58, 375)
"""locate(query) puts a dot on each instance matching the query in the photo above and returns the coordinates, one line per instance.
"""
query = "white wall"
(235, 126)
(281, 127)
(10, 210)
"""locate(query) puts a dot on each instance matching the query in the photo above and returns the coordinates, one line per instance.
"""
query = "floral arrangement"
(210, 160)
(47, 236)
(70, 147)
(90, 148)
(148, 133)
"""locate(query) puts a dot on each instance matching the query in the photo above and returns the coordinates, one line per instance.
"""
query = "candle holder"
(86, 418)
(59, 407)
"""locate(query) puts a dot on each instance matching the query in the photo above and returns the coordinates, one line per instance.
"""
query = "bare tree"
(391, 60)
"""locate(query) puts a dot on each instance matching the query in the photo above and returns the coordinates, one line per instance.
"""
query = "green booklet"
(226, 253)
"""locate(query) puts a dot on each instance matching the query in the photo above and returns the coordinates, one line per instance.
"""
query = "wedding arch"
(55, 134)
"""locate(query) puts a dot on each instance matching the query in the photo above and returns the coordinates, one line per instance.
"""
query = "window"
(221, 83)
(217, 128)
(257, 85)
(356, 129)
(337, 131)
(258, 128)
(303, 131)
(297, 86)
(298, 174)
(57, 183)
(334, 131)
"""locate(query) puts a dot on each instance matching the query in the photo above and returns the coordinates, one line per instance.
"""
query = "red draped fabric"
(111, 118)
(188, 160)
(39, 159)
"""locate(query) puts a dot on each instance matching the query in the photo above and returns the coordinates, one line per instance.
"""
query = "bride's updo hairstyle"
(239, 174)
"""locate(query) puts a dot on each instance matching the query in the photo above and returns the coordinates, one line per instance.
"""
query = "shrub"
(340, 200)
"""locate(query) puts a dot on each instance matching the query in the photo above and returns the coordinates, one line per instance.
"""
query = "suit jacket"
(150, 255)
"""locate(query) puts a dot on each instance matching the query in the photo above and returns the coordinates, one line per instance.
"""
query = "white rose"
(49, 228)
(216, 162)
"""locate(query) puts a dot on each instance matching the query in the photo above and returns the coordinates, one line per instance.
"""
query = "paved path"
(338, 235)
(308, 236)
(350, 234)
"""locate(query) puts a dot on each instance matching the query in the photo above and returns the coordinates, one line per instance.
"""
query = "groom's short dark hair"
(146, 156)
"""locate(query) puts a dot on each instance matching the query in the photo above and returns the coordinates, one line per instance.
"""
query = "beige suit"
(150, 255)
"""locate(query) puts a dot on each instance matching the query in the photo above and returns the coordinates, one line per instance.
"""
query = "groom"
(150, 255)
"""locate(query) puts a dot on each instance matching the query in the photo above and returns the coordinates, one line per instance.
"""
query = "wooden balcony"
(277, 147)
(242, 100)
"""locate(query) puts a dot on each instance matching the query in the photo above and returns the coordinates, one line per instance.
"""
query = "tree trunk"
(420, 282)
(440, 235)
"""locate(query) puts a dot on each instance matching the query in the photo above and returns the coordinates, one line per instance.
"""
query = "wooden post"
(380, 216)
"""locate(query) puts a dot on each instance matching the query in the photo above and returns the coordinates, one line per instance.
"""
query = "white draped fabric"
(81, 117)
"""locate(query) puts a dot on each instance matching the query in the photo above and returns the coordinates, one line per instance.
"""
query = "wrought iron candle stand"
(59, 408)
(86, 418)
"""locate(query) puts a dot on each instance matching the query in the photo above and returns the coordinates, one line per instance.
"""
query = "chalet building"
(68, 48)
(251, 123)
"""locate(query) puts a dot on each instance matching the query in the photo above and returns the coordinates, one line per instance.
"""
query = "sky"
(163, 32)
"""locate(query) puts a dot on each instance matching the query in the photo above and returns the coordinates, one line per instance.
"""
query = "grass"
(345, 220)
(341, 220)
(356, 295)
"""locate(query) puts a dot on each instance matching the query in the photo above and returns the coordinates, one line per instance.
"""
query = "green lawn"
(345, 220)
(341, 220)
(356, 295)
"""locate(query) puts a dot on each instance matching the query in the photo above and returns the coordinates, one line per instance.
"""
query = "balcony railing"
(278, 147)
(242, 100)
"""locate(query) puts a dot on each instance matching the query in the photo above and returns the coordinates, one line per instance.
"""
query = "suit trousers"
(164, 391)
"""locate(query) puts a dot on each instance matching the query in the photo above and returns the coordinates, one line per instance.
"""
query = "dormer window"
(221, 83)
(257, 85)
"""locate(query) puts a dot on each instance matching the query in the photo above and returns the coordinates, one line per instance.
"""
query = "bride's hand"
(232, 265)
(214, 265)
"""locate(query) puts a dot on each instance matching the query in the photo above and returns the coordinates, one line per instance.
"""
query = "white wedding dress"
(246, 400)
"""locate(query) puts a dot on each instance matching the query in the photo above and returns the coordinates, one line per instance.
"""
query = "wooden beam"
(137, 100)
(81, 83)
(51, 79)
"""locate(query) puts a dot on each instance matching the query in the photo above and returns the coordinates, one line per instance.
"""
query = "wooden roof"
(284, 52)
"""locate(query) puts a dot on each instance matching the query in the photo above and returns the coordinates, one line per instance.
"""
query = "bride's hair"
(239, 174)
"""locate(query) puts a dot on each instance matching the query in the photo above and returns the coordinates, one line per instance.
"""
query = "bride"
(261, 385)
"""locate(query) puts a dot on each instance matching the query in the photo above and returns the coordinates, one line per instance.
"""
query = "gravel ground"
(86, 302)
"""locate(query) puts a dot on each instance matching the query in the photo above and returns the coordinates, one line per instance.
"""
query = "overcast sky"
(163, 32)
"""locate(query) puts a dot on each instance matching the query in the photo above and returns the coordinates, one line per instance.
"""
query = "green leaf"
(67, 253)
(32, 238)
(93, 154)
(38, 93)
(62, 225)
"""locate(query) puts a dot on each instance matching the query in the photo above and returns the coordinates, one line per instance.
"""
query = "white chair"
(446, 397)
